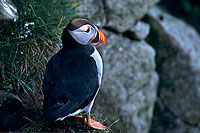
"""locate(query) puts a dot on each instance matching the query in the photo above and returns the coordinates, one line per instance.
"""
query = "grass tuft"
(27, 44)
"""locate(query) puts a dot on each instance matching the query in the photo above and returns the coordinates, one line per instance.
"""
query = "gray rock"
(129, 84)
(178, 52)
(7, 99)
(140, 30)
(118, 14)
(14, 111)
(92, 10)
(165, 121)
(122, 14)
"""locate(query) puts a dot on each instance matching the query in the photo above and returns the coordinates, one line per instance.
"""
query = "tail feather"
(58, 111)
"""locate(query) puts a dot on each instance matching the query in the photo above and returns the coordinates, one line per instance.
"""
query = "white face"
(83, 34)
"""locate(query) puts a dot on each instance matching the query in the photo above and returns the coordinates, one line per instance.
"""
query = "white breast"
(99, 64)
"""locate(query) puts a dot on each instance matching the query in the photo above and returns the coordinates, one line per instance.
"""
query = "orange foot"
(92, 123)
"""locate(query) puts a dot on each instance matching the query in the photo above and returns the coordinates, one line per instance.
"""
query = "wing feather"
(69, 84)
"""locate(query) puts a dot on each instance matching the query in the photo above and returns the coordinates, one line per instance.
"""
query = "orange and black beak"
(98, 38)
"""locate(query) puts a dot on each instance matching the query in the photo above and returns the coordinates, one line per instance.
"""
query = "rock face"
(129, 84)
(178, 52)
(118, 14)
(13, 109)
(93, 10)
(140, 30)
(123, 14)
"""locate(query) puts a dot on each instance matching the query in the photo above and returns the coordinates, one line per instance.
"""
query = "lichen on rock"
(122, 15)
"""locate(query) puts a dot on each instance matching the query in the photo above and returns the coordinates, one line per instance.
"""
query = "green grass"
(27, 44)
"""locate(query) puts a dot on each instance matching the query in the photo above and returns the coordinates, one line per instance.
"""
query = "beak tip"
(102, 38)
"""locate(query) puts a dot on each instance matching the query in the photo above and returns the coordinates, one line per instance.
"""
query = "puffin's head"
(84, 32)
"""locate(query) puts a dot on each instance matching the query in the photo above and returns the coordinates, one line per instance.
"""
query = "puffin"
(73, 75)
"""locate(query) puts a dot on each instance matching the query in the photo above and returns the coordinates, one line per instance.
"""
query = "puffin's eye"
(88, 30)
(85, 28)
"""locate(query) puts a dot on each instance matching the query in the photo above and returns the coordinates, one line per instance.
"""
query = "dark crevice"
(161, 17)
(187, 10)
(111, 29)
(127, 34)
